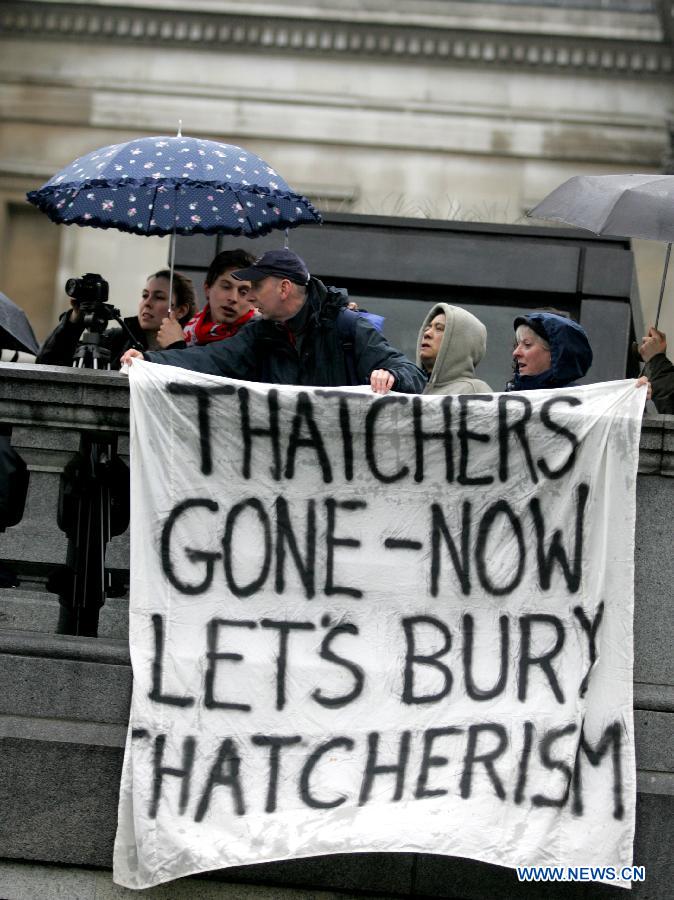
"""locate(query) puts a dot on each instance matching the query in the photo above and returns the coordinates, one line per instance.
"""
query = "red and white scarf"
(203, 330)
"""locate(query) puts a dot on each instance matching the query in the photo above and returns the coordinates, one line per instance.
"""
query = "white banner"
(363, 623)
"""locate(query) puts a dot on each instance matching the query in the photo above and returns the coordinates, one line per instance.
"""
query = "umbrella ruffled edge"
(267, 228)
(43, 199)
(47, 191)
(242, 231)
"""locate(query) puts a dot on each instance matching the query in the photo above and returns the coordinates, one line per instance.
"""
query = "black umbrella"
(637, 206)
(15, 329)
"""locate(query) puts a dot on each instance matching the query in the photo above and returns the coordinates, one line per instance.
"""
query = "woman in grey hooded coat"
(450, 345)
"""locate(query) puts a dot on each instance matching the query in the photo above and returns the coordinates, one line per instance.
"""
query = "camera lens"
(71, 286)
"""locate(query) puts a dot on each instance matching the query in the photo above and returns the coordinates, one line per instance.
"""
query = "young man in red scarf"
(227, 308)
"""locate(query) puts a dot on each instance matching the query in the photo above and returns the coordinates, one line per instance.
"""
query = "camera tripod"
(93, 507)
(93, 496)
(92, 351)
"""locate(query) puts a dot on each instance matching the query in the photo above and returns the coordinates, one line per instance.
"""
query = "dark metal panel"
(473, 261)
(607, 272)
(409, 252)
(195, 251)
(607, 323)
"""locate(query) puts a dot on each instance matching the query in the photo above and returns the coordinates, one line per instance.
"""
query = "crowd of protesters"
(300, 331)
(303, 333)
(269, 320)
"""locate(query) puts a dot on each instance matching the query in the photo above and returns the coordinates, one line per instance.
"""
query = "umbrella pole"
(171, 265)
(662, 286)
(173, 238)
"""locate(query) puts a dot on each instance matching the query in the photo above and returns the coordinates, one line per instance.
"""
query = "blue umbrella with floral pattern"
(173, 185)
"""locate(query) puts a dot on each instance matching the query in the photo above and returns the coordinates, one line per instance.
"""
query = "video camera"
(90, 293)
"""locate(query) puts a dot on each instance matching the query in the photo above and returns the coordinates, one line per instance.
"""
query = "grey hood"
(463, 345)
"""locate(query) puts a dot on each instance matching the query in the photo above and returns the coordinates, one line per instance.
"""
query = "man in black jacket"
(301, 337)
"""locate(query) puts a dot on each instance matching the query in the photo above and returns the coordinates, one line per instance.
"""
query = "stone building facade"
(459, 110)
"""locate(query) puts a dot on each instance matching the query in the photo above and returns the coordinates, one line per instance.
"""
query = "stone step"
(26, 609)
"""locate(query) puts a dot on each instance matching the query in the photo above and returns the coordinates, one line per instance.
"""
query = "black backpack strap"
(346, 329)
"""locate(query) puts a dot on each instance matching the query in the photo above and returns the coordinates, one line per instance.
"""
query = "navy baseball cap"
(281, 263)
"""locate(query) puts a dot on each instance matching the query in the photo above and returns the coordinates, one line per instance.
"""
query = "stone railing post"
(70, 427)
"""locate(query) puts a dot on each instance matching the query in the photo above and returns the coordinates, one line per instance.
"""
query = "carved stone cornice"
(608, 57)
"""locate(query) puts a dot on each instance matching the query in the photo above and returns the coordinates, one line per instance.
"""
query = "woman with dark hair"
(59, 348)
(550, 351)
(227, 307)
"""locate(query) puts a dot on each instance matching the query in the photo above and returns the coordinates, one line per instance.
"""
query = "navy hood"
(570, 351)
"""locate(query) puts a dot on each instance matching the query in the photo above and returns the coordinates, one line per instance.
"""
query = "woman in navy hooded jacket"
(551, 351)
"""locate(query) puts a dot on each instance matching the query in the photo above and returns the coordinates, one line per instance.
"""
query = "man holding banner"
(304, 335)
(378, 623)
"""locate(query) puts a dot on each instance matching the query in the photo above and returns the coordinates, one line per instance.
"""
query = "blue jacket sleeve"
(372, 351)
(233, 357)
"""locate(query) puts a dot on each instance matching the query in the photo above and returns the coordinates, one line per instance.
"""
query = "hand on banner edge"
(640, 382)
(128, 357)
(381, 381)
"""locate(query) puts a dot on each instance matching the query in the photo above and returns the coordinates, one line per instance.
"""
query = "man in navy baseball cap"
(279, 281)
(277, 263)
